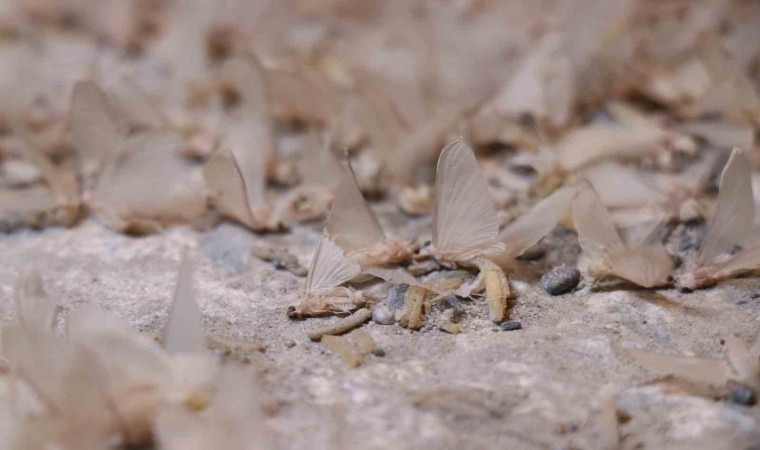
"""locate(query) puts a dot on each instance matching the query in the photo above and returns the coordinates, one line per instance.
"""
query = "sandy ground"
(544, 386)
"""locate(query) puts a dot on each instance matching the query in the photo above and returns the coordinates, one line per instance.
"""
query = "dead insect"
(741, 364)
(354, 227)
(320, 173)
(730, 226)
(329, 269)
(645, 263)
(466, 227)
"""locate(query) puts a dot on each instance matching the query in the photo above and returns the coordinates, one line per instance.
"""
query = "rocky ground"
(552, 384)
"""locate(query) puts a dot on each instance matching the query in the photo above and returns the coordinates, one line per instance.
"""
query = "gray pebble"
(560, 280)
(396, 296)
(510, 325)
(742, 395)
(383, 315)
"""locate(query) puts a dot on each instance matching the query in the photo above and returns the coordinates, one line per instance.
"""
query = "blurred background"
(643, 98)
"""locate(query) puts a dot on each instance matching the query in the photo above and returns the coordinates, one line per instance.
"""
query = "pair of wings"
(645, 263)
(351, 225)
(464, 216)
(465, 224)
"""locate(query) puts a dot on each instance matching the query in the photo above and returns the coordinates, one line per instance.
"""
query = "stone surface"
(560, 280)
(383, 315)
(542, 387)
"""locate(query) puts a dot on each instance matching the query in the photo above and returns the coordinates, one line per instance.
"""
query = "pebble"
(396, 297)
(560, 280)
(510, 325)
(742, 395)
(383, 315)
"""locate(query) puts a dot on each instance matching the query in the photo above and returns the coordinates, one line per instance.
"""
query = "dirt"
(544, 386)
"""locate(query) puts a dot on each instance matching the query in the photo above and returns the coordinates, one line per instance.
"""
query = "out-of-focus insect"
(238, 193)
(466, 227)
(741, 365)
(645, 263)
(355, 228)
(329, 269)
(731, 226)
(320, 174)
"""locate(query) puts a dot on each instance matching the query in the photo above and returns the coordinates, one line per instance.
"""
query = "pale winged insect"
(324, 294)
(730, 226)
(355, 228)
(236, 174)
(135, 180)
(645, 263)
(466, 227)
(320, 173)
(103, 384)
(741, 364)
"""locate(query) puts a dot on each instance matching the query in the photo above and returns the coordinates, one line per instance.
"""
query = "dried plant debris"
(645, 263)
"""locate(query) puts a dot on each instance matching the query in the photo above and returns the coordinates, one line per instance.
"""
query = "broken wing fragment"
(329, 269)
(646, 264)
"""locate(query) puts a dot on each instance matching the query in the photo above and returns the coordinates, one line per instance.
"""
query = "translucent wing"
(620, 186)
(745, 260)
(395, 275)
(596, 233)
(225, 181)
(319, 166)
(350, 222)
(647, 266)
(147, 185)
(464, 216)
(329, 267)
(249, 133)
(701, 370)
(527, 230)
(735, 213)
(94, 131)
(34, 307)
(184, 332)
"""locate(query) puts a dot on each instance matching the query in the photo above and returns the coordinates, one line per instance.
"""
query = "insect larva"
(348, 353)
(341, 326)
(411, 315)
(497, 290)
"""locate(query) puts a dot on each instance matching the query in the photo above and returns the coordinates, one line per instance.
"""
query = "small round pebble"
(383, 315)
(379, 352)
(560, 280)
(742, 395)
(510, 325)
